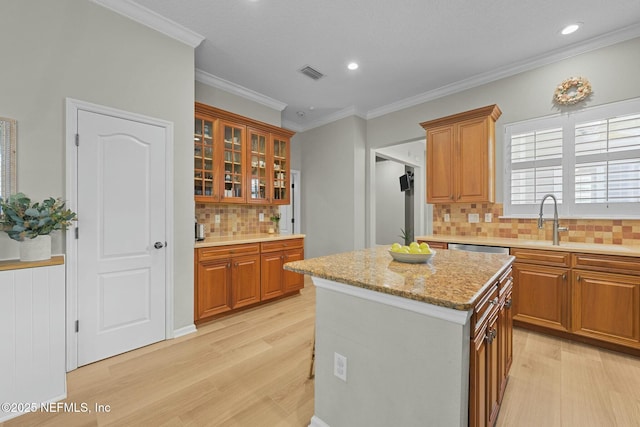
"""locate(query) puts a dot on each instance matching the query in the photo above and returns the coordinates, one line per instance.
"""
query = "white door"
(121, 235)
(290, 214)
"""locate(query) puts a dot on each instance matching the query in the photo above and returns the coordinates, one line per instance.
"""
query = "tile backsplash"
(235, 220)
(607, 231)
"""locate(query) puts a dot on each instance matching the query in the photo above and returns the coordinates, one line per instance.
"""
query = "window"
(590, 160)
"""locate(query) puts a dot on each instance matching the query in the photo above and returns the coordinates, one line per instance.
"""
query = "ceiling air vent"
(311, 73)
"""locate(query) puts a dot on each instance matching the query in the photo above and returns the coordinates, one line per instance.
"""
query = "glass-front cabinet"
(203, 157)
(233, 161)
(280, 172)
(258, 188)
(239, 160)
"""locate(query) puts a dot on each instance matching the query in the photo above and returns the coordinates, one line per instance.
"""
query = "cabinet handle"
(494, 301)
(509, 303)
(228, 265)
(564, 276)
(236, 264)
(491, 335)
(578, 278)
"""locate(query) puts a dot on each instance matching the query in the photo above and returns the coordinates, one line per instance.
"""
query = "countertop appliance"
(478, 248)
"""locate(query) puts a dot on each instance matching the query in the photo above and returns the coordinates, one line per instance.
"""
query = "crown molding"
(236, 89)
(618, 36)
(335, 116)
(152, 20)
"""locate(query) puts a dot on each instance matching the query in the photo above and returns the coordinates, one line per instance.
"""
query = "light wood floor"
(250, 369)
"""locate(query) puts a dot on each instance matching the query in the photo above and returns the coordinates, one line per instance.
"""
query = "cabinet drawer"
(279, 245)
(435, 245)
(226, 251)
(613, 264)
(549, 258)
(487, 305)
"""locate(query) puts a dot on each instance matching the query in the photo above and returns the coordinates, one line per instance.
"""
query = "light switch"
(488, 217)
(261, 216)
(447, 217)
(217, 219)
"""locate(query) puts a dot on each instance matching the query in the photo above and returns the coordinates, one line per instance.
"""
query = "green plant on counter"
(22, 219)
(275, 218)
(407, 236)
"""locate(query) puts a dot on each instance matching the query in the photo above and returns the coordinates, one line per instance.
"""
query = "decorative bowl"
(412, 258)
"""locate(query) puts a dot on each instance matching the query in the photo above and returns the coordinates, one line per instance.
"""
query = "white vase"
(36, 249)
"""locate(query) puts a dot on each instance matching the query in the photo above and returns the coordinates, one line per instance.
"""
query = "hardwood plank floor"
(250, 369)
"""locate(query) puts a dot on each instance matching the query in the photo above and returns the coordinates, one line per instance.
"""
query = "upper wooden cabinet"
(239, 160)
(461, 156)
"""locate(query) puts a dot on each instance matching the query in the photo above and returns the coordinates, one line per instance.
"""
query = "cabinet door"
(258, 179)
(214, 283)
(271, 285)
(293, 281)
(280, 171)
(494, 376)
(204, 180)
(474, 181)
(440, 166)
(606, 306)
(505, 341)
(245, 282)
(233, 161)
(478, 380)
(541, 295)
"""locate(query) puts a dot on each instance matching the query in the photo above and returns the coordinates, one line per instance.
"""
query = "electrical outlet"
(217, 219)
(261, 216)
(474, 218)
(340, 366)
(488, 217)
(447, 217)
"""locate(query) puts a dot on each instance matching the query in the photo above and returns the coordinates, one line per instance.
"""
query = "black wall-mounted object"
(406, 181)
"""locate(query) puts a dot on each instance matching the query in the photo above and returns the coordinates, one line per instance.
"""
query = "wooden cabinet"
(491, 352)
(275, 280)
(540, 292)
(227, 277)
(239, 160)
(461, 156)
(605, 297)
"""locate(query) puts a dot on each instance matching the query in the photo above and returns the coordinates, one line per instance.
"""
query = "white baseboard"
(190, 329)
(317, 422)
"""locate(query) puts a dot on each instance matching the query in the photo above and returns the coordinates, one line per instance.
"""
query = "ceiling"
(409, 51)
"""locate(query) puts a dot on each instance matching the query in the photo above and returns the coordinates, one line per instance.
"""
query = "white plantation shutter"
(590, 160)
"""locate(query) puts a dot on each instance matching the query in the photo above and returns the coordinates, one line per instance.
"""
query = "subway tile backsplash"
(615, 232)
(235, 220)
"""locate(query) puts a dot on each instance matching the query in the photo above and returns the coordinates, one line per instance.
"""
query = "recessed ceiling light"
(570, 29)
(353, 66)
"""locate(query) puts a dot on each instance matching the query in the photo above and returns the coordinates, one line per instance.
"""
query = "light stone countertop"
(245, 238)
(591, 248)
(452, 279)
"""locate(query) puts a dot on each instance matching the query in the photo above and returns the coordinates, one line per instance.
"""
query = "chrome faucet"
(556, 228)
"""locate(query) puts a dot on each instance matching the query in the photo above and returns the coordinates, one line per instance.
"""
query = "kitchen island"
(409, 340)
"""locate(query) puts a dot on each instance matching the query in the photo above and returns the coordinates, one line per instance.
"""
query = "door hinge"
(77, 325)
(77, 232)
(293, 185)
(77, 140)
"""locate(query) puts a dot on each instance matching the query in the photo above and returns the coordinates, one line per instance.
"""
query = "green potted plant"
(31, 223)
(275, 218)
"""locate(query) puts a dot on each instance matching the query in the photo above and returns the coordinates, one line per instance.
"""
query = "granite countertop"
(245, 238)
(452, 279)
(592, 248)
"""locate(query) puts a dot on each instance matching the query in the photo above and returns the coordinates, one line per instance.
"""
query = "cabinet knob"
(236, 264)
(578, 278)
(509, 303)
(228, 265)
(564, 276)
(494, 301)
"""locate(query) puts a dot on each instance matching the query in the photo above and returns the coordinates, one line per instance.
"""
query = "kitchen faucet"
(556, 228)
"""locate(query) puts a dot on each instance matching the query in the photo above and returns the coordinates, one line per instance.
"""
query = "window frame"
(567, 121)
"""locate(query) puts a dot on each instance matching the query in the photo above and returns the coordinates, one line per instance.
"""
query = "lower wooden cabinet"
(435, 245)
(234, 276)
(606, 306)
(275, 280)
(491, 353)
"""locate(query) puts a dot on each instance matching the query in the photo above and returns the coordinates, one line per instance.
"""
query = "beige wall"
(52, 50)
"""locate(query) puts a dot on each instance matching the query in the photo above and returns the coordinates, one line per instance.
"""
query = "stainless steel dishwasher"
(478, 248)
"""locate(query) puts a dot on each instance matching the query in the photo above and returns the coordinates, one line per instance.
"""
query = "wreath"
(572, 90)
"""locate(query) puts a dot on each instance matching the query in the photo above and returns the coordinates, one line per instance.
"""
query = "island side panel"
(403, 368)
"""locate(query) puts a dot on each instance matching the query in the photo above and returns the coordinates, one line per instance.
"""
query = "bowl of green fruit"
(415, 253)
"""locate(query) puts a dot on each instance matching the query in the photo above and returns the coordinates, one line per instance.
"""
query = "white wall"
(236, 104)
(389, 202)
(333, 179)
(73, 48)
